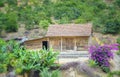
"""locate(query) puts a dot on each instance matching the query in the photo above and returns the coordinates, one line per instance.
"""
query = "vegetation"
(104, 16)
(101, 55)
(47, 73)
(118, 41)
(92, 63)
(114, 73)
(15, 57)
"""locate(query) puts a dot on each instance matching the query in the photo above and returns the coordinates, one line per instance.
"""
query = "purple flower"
(101, 54)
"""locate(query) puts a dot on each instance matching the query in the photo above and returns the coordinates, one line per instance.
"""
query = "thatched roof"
(69, 30)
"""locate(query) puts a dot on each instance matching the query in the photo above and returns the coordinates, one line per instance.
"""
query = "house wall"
(34, 44)
(60, 43)
(55, 43)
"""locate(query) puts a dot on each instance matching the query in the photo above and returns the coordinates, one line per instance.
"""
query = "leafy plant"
(34, 60)
(47, 73)
(92, 63)
(11, 24)
(2, 3)
(23, 60)
(114, 73)
(118, 41)
(5, 55)
(44, 24)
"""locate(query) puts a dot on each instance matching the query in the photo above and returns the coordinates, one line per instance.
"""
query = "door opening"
(45, 45)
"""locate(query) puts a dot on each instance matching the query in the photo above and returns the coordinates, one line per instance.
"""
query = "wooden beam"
(61, 44)
(48, 42)
(75, 46)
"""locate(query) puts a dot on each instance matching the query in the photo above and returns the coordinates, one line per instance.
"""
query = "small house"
(63, 37)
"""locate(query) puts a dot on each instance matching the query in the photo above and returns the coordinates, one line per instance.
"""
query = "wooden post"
(48, 43)
(61, 44)
(75, 46)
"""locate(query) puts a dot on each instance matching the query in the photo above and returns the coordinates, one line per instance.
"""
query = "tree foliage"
(105, 17)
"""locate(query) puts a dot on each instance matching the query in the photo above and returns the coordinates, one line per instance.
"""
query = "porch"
(68, 44)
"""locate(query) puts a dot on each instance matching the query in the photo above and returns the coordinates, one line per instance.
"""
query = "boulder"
(78, 69)
(11, 74)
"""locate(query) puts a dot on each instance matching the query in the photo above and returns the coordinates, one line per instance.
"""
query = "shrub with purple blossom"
(101, 55)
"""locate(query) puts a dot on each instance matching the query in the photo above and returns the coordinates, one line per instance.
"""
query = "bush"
(11, 24)
(3, 56)
(112, 27)
(80, 20)
(63, 20)
(22, 60)
(12, 2)
(114, 73)
(117, 2)
(118, 41)
(101, 55)
(2, 3)
(47, 73)
(92, 63)
(34, 60)
(44, 24)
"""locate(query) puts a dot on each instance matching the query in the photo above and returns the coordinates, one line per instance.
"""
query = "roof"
(69, 30)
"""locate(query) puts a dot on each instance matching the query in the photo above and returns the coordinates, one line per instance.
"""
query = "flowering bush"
(101, 55)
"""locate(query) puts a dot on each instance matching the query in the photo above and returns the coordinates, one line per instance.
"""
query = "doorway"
(45, 45)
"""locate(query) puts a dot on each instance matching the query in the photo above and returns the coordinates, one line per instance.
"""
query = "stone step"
(72, 55)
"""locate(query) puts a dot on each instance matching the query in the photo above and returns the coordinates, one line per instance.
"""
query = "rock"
(2, 75)
(69, 65)
(84, 68)
(11, 74)
(69, 73)
(116, 63)
(77, 69)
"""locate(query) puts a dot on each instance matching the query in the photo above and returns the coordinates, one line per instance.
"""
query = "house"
(63, 37)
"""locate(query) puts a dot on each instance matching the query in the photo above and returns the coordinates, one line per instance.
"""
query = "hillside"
(39, 14)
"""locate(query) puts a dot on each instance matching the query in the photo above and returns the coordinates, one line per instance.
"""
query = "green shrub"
(12, 2)
(114, 73)
(112, 27)
(117, 2)
(92, 63)
(22, 60)
(3, 56)
(2, 3)
(105, 69)
(28, 26)
(44, 24)
(11, 24)
(34, 60)
(47, 73)
(63, 20)
(118, 40)
(80, 20)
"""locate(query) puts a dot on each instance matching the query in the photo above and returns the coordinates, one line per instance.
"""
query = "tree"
(11, 24)
(117, 2)
(2, 3)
